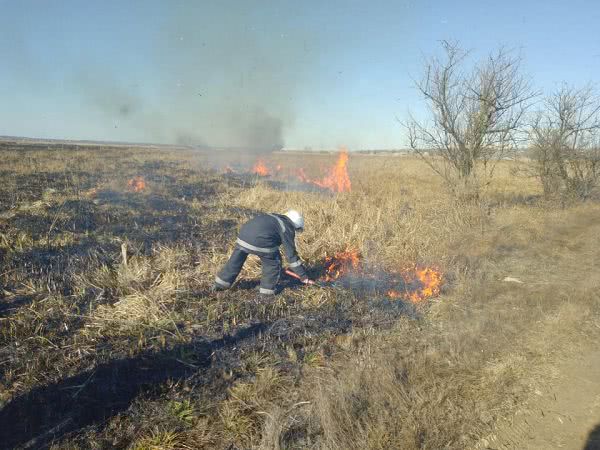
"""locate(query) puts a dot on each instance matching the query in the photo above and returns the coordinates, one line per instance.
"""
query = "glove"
(308, 281)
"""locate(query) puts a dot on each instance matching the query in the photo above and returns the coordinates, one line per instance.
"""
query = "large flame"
(337, 180)
(260, 168)
(137, 184)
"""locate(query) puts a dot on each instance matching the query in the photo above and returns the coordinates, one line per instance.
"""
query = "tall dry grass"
(437, 381)
(396, 214)
(443, 381)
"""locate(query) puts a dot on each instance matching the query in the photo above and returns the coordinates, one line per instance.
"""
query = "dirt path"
(564, 410)
(562, 369)
(564, 415)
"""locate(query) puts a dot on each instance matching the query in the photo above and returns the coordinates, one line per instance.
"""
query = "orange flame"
(392, 293)
(337, 180)
(261, 169)
(137, 184)
(340, 264)
(91, 192)
(430, 281)
(424, 283)
(302, 176)
(419, 283)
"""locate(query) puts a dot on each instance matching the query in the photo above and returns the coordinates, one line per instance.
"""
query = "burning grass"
(335, 180)
(415, 285)
(136, 184)
(413, 341)
(261, 169)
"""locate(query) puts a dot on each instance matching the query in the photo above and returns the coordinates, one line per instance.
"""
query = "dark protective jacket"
(265, 233)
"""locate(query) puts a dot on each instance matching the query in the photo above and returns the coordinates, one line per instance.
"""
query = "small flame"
(337, 180)
(91, 192)
(137, 184)
(413, 285)
(392, 293)
(302, 176)
(228, 169)
(261, 169)
(340, 264)
(429, 281)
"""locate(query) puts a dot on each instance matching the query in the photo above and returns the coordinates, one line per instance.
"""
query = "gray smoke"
(227, 80)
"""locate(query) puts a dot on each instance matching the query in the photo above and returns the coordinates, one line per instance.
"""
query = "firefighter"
(262, 236)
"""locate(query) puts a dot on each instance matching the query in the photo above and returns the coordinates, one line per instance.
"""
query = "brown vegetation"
(566, 143)
(109, 336)
(475, 115)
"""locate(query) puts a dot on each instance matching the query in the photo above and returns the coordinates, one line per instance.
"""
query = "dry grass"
(454, 378)
(322, 371)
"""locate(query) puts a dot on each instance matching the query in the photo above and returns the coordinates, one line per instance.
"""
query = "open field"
(110, 338)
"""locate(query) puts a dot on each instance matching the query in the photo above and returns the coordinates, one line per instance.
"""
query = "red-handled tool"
(297, 277)
(292, 274)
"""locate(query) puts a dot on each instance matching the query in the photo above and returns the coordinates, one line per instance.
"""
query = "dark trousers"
(270, 264)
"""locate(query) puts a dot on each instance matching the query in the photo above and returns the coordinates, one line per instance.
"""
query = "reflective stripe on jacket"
(265, 233)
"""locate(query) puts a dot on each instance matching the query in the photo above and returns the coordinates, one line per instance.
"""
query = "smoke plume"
(227, 81)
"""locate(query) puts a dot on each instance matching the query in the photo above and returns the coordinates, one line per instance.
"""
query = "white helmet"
(296, 219)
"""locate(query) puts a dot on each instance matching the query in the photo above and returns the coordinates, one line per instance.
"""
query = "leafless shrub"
(476, 116)
(565, 143)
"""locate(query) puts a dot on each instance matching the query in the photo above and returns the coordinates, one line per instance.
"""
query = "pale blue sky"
(319, 74)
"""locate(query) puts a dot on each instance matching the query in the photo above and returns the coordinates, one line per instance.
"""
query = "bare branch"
(565, 142)
(476, 116)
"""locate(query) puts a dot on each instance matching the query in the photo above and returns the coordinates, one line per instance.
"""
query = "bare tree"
(565, 138)
(475, 117)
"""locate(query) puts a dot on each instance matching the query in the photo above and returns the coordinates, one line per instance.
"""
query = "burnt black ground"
(88, 399)
(79, 397)
(34, 419)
